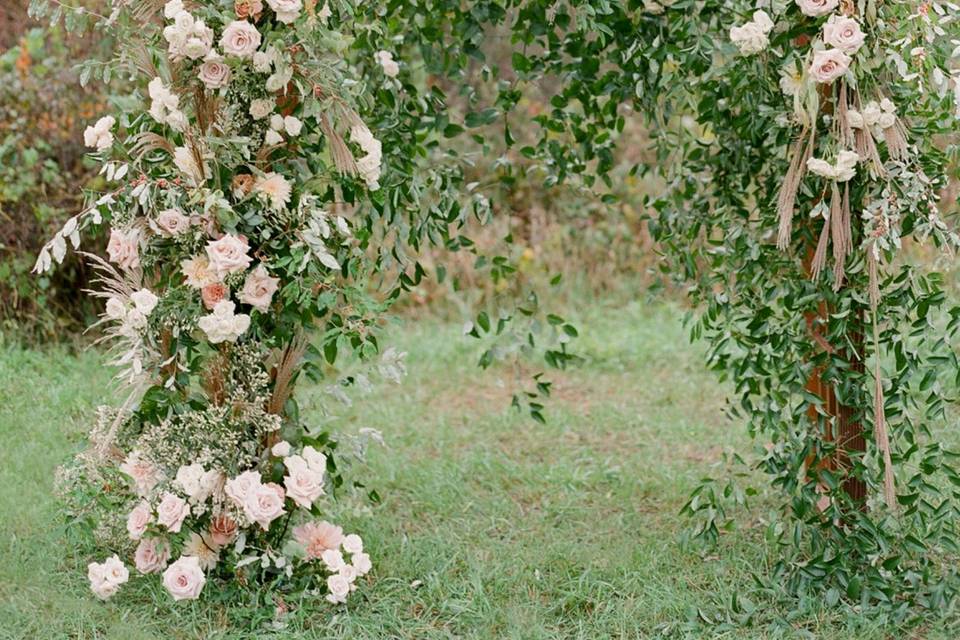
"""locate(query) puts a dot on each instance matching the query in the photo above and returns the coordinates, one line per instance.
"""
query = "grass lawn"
(491, 525)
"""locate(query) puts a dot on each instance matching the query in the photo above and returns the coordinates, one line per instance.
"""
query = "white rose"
(272, 137)
(846, 165)
(98, 136)
(362, 564)
(189, 478)
(281, 449)
(240, 39)
(821, 168)
(258, 289)
(339, 588)
(817, 7)
(261, 108)
(353, 544)
(287, 10)
(228, 255)
(855, 119)
(871, 113)
(749, 38)
(115, 309)
(184, 578)
(144, 301)
(292, 125)
(223, 325)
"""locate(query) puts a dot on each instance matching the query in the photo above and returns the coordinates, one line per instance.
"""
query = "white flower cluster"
(368, 165)
(187, 37)
(844, 169)
(753, 37)
(98, 136)
(280, 124)
(165, 106)
(876, 115)
(223, 325)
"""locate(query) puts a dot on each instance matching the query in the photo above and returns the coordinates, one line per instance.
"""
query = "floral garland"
(227, 245)
(847, 115)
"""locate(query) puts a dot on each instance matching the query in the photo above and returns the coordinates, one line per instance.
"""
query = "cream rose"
(138, 520)
(184, 578)
(240, 39)
(287, 10)
(144, 301)
(152, 555)
(98, 136)
(261, 108)
(258, 289)
(263, 504)
(228, 255)
(223, 325)
(172, 511)
(843, 33)
(339, 588)
(303, 486)
(171, 222)
(828, 65)
(817, 7)
(214, 73)
(238, 488)
(123, 248)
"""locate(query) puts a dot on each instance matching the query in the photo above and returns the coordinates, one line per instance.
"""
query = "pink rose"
(172, 511)
(138, 520)
(123, 248)
(258, 289)
(106, 577)
(238, 488)
(171, 222)
(184, 578)
(817, 7)
(264, 504)
(829, 65)
(303, 486)
(223, 529)
(144, 474)
(152, 555)
(214, 293)
(843, 33)
(240, 39)
(339, 588)
(214, 74)
(228, 255)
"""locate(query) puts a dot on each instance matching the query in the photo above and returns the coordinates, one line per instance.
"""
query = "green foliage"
(42, 115)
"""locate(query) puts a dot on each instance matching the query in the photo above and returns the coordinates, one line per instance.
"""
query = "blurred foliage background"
(600, 249)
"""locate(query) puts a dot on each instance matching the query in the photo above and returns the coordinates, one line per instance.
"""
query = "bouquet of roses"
(229, 242)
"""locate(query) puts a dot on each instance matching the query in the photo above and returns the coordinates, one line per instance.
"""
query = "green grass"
(491, 525)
